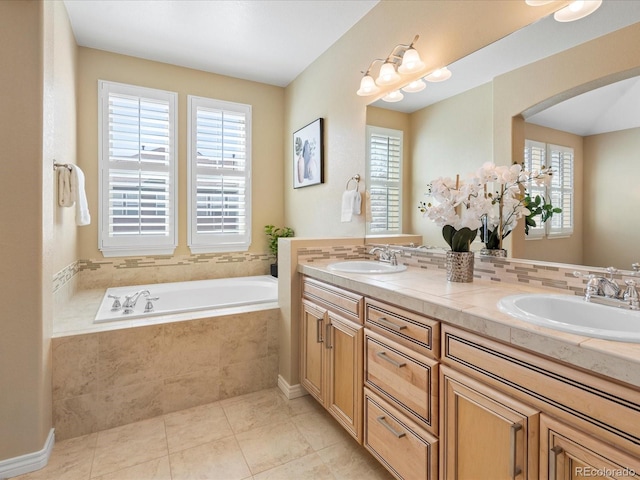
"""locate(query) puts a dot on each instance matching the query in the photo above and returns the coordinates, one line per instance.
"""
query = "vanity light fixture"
(576, 10)
(439, 75)
(403, 59)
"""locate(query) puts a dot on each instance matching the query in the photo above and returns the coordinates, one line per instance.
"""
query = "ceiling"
(267, 41)
(273, 41)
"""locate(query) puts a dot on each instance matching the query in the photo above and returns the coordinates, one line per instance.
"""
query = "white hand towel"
(83, 217)
(350, 205)
(65, 199)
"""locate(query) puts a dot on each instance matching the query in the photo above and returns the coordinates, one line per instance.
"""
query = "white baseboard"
(28, 462)
(291, 391)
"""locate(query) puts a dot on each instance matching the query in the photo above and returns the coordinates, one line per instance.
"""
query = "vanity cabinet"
(567, 453)
(486, 434)
(331, 351)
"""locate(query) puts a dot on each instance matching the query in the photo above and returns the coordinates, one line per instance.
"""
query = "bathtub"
(197, 295)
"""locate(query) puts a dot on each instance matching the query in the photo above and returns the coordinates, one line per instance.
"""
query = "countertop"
(473, 306)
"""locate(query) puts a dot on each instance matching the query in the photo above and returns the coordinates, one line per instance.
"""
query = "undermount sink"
(573, 314)
(365, 266)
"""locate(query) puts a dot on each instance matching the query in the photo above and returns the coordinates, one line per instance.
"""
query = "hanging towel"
(78, 194)
(65, 199)
(350, 205)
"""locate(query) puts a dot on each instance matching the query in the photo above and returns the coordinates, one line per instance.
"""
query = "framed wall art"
(308, 155)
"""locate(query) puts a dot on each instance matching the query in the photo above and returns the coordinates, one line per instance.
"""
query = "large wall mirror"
(455, 126)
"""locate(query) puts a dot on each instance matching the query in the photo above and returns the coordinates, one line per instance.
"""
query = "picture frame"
(308, 155)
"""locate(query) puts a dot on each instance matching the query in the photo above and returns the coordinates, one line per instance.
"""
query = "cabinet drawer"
(406, 450)
(406, 378)
(341, 301)
(407, 328)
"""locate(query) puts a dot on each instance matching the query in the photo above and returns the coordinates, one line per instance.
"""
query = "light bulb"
(394, 96)
(367, 86)
(387, 75)
(415, 86)
(439, 75)
(576, 10)
(411, 62)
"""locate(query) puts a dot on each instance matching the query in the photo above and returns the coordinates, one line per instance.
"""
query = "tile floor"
(259, 436)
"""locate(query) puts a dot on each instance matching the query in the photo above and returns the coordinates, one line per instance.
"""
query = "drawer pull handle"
(553, 462)
(328, 336)
(383, 355)
(319, 331)
(382, 421)
(513, 469)
(393, 326)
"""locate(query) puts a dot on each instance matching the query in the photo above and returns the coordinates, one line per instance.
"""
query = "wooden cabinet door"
(484, 433)
(343, 345)
(567, 453)
(312, 363)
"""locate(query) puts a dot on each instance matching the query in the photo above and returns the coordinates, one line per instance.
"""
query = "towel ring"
(355, 178)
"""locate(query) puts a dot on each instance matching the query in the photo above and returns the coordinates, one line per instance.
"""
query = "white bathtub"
(180, 297)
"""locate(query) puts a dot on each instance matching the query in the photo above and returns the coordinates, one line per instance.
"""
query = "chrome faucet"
(606, 291)
(131, 300)
(386, 254)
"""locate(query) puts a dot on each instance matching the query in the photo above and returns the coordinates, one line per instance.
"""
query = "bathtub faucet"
(131, 300)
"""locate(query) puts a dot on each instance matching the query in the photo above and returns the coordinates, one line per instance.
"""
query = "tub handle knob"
(149, 306)
(116, 303)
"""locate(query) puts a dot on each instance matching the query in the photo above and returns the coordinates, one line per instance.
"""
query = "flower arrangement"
(491, 201)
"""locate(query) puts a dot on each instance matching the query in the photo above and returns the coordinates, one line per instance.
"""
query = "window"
(559, 192)
(219, 168)
(384, 175)
(137, 159)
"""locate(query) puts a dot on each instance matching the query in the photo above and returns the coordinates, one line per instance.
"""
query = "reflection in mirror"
(455, 135)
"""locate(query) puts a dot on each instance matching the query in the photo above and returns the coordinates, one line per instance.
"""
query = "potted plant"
(273, 234)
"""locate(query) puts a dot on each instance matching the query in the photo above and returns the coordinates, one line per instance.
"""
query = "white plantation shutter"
(137, 170)
(219, 175)
(384, 174)
(535, 158)
(560, 192)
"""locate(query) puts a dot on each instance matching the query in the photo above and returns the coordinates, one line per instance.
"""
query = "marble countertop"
(474, 306)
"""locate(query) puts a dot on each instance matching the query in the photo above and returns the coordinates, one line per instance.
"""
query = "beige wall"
(564, 250)
(448, 31)
(25, 242)
(451, 137)
(611, 215)
(267, 137)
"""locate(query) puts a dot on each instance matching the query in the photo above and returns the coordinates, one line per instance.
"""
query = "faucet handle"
(631, 295)
(116, 302)
(611, 271)
(636, 268)
(149, 306)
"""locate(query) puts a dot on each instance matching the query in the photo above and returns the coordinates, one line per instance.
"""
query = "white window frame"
(209, 242)
(372, 182)
(559, 186)
(132, 245)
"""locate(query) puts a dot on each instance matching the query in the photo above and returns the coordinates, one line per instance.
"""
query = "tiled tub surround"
(105, 379)
(474, 306)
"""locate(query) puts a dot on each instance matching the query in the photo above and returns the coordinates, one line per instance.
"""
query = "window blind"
(220, 175)
(137, 168)
(535, 158)
(384, 174)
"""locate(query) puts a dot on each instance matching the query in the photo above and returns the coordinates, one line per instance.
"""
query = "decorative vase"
(493, 252)
(459, 266)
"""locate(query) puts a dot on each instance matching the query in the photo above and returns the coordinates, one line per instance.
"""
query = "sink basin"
(572, 314)
(365, 266)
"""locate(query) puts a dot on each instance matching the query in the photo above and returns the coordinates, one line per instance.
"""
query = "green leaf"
(448, 232)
